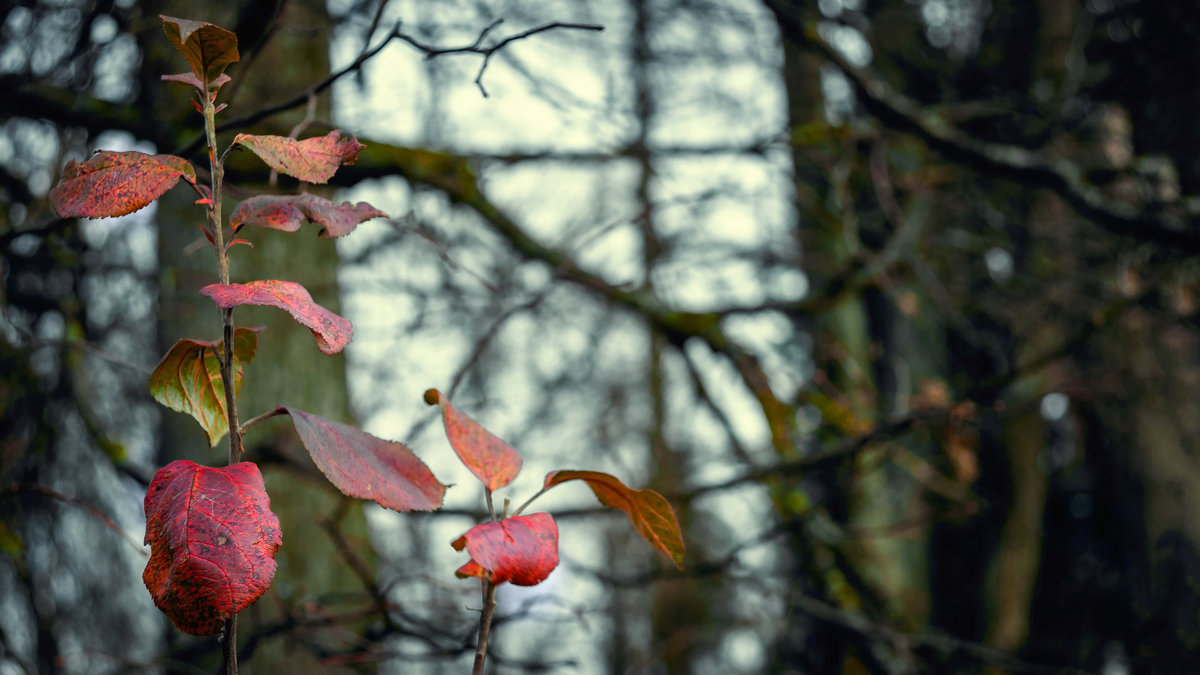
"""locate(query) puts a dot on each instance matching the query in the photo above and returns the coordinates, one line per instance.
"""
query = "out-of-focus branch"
(1033, 168)
(396, 34)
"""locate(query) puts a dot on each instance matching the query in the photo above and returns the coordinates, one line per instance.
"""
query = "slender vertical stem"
(218, 232)
(485, 626)
(229, 643)
(229, 646)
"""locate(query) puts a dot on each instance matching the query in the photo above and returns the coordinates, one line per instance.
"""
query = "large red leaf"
(650, 512)
(212, 540)
(521, 549)
(289, 212)
(332, 331)
(367, 467)
(188, 379)
(208, 49)
(495, 462)
(314, 160)
(116, 183)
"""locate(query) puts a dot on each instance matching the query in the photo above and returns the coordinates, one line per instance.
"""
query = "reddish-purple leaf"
(289, 212)
(190, 78)
(116, 183)
(367, 467)
(188, 379)
(495, 462)
(314, 160)
(650, 512)
(212, 540)
(521, 549)
(332, 331)
(208, 49)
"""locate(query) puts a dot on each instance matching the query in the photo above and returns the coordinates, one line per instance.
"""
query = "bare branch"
(1034, 168)
(396, 34)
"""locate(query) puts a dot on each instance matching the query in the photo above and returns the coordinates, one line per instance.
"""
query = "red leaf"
(188, 379)
(116, 183)
(367, 467)
(288, 213)
(190, 78)
(208, 49)
(314, 160)
(521, 549)
(332, 331)
(212, 540)
(650, 512)
(495, 462)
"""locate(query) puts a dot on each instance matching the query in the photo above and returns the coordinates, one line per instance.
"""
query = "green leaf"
(188, 379)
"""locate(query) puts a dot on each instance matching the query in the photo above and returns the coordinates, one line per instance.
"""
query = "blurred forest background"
(896, 300)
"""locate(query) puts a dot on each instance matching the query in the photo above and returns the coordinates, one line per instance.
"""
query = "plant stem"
(485, 626)
(229, 644)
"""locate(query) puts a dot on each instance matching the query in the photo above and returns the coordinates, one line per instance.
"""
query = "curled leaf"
(209, 49)
(314, 160)
(188, 379)
(116, 183)
(521, 549)
(212, 540)
(368, 467)
(495, 462)
(332, 331)
(650, 512)
(289, 212)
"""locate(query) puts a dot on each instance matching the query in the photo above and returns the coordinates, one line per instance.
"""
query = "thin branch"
(17, 488)
(487, 52)
(1031, 167)
(485, 626)
(396, 34)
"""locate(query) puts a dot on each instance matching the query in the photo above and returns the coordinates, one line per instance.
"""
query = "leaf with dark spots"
(212, 540)
(650, 512)
(289, 212)
(332, 331)
(314, 160)
(521, 549)
(116, 183)
(188, 379)
(495, 462)
(367, 467)
(209, 49)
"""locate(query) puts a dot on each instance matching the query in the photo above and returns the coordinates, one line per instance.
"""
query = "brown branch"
(430, 52)
(1028, 166)
(17, 488)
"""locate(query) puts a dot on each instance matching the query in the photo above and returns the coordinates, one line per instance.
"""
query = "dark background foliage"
(895, 300)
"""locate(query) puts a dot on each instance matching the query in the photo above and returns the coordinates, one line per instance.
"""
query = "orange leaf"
(208, 49)
(116, 183)
(314, 160)
(650, 512)
(367, 467)
(521, 549)
(288, 213)
(332, 331)
(495, 462)
(212, 540)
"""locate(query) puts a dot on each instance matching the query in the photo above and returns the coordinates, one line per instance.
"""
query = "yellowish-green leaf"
(188, 379)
